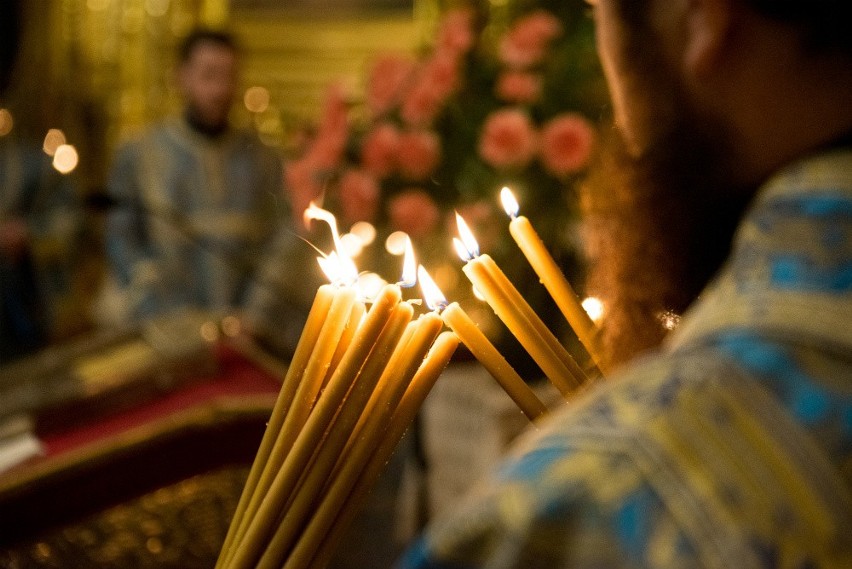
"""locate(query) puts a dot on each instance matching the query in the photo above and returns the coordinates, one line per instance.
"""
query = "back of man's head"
(200, 36)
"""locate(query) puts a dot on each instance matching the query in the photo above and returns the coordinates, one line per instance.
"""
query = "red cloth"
(236, 377)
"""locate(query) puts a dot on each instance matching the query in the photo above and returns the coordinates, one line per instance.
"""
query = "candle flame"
(461, 250)
(315, 212)
(433, 296)
(468, 241)
(510, 204)
(339, 269)
(409, 267)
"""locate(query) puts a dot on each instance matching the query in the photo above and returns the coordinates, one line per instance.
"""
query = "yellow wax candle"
(556, 284)
(337, 320)
(491, 359)
(508, 304)
(323, 507)
(301, 356)
(338, 432)
(248, 549)
(439, 356)
(355, 318)
(514, 298)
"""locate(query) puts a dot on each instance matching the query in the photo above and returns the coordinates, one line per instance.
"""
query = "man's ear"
(708, 32)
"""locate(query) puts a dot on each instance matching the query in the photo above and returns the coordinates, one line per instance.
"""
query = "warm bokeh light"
(6, 122)
(157, 8)
(395, 243)
(365, 230)
(351, 245)
(256, 99)
(670, 320)
(594, 308)
(370, 284)
(65, 158)
(231, 326)
(53, 140)
(477, 294)
(209, 331)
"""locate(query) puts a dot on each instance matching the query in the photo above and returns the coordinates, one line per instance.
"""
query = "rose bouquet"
(503, 97)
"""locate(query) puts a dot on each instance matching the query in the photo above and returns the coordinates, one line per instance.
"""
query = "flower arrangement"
(503, 97)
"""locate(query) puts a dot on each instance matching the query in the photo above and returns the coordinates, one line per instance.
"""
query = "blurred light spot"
(365, 231)
(351, 244)
(256, 99)
(594, 308)
(154, 545)
(370, 285)
(65, 158)
(395, 243)
(669, 319)
(156, 8)
(209, 332)
(477, 294)
(53, 140)
(231, 326)
(6, 122)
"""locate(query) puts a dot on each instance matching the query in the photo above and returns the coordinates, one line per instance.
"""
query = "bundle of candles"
(358, 378)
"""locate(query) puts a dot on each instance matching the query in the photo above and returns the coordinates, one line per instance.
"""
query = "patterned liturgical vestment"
(193, 215)
(732, 447)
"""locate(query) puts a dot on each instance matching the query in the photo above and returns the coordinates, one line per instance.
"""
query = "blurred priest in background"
(197, 200)
(730, 446)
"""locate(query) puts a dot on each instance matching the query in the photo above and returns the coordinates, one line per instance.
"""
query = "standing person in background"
(197, 200)
(732, 445)
(39, 222)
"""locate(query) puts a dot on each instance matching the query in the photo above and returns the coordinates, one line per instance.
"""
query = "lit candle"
(551, 276)
(250, 547)
(508, 304)
(483, 350)
(315, 550)
(337, 320)
(315, 511)
(301, 356)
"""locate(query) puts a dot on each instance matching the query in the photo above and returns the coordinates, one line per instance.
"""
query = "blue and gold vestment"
(732, 447)
(194, 215)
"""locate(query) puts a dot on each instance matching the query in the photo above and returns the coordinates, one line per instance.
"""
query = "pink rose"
(566, 144)
(518, 87)
(359, 196)
(419, 154)
(421, 105)
(455, 34)
(508, 139)
(379, 149)
(327, 148)
(436, 80)
(387, 81)
(526, 42)
(414, 212)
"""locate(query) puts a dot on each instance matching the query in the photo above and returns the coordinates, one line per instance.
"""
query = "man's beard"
(659, 225)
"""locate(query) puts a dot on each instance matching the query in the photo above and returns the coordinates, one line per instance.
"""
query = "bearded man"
(198, 200)
(730, 445)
